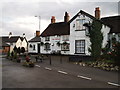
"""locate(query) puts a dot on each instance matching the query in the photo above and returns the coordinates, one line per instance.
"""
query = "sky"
(18, 16)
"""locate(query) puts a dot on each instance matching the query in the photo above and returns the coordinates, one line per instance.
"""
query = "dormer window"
(79, 24)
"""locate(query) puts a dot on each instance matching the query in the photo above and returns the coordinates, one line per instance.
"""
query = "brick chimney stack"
(97, 12)
(53, 19)
(37, 33)
(66, 17)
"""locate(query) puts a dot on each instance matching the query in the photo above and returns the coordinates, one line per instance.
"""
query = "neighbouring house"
(13, 41)
(4, 48)
(114, 23)
(34, 44)
(71, 37)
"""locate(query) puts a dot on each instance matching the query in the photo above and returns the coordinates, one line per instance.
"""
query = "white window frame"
(80, 46)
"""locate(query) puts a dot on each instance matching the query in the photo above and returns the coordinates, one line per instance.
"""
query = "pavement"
(58, 74)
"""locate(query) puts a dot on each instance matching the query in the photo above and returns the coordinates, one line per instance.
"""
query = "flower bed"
(28, 64)
(101, 65)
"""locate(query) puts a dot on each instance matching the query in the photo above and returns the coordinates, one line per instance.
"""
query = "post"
(61, 59)
(50, 60)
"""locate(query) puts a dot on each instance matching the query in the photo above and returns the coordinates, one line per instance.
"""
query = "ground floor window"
(33, 47)
(80, 46)
(65, 47)
(47, 46)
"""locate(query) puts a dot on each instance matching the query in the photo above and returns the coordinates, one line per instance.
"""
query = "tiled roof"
(11, 39)
(61, 28)
(35, 39)
(113, 22)
(2, 43)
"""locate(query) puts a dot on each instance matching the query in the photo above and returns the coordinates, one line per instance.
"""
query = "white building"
(17, 41)
(71, 36)
(34, 44)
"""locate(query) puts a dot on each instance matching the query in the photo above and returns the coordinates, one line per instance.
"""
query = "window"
(79, 24)
(47, 46)
(30, 46)
(33, 47)
(47, 38)
(80, 46)
(66, 38)
(65, 47)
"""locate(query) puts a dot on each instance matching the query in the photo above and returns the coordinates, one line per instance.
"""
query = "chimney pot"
(53, 19)
(66, 17)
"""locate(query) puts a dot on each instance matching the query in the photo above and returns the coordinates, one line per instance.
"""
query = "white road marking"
(37, 65)
(84, 77)
(62, 72)
(48, 68)
(113, 84)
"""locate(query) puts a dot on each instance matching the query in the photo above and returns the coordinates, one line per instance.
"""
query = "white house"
(17, 41)
(114, 23)
(71, 36)
(34, 44)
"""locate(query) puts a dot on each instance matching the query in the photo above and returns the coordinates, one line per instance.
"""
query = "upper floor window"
(65, 38)
(79, 24)
(47, 38)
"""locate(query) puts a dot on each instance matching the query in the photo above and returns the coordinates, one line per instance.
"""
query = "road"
(65, 75)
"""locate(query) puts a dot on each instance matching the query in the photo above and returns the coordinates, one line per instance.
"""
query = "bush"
(22, 50)
(28, 64)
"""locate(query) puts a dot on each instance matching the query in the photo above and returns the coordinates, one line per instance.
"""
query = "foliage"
(22, 50)
(96, 38)
(65, 43)
(28, 64)
(58, 43)
(41, 43)
(15, 55)
(18, 50)
(8, 54)
(15, 49)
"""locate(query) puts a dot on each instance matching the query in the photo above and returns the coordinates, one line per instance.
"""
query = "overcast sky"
(18, 16)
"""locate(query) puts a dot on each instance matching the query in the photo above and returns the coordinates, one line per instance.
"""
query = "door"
(38, 48)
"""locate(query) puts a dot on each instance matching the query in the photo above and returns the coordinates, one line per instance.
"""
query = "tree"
(96, 38)
(18, 50)
(15, 49)
(22, 50)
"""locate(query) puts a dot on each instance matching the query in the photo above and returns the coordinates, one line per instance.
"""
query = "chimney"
(23, 35)
(53, 19)
(10, 34)
(66, 17)
(37, 33)
(97, 12)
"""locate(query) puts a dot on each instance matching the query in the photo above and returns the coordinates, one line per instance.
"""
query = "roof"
(35, 39)
(2, 43)
(12, 39)
(113, 22)
(61, 28)
(82, 12)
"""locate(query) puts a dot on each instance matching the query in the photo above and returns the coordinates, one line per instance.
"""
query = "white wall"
(30, 50)
(24, 44)
(79, 35)
(105, 30)
(18, 43)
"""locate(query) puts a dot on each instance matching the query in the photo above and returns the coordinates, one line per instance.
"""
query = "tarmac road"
(64, 75)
